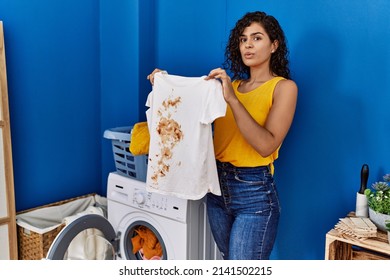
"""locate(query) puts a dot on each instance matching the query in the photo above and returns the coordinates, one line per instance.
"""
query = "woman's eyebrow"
(252, 34)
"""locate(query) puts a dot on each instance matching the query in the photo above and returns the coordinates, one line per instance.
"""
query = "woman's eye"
(256, 39)
(243, 40)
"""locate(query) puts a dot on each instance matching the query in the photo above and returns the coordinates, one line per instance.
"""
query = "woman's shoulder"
(287, 84)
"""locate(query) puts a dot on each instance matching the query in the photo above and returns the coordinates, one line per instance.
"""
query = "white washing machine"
(180, 225)
(177, 228)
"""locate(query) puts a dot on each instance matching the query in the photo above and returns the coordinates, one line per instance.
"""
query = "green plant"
(378, 198)
(387, 224)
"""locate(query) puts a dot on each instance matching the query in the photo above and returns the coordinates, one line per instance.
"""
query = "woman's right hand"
(150, 77)
(220, 74)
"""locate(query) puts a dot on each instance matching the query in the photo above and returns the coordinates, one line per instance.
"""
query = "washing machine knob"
(139, 198)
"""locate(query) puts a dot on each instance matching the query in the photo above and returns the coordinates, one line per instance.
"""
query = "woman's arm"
(264, 139)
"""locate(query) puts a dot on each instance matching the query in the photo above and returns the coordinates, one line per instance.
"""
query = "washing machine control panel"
(160, 204)
(133, 193)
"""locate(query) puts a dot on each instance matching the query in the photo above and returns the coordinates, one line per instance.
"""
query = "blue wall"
(52, 54)
(339, 60)
(127, 57)
(79, 67)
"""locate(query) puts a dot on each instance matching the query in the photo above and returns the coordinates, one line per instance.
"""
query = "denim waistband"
(231, 167)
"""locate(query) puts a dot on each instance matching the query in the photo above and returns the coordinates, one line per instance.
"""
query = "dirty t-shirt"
(181, 152)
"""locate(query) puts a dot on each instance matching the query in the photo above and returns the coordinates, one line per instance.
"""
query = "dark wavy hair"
(279, 59)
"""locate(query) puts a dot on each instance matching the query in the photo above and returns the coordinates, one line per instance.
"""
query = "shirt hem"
(182, 196)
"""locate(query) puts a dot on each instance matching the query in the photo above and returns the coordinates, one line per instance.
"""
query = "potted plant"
(378, 200)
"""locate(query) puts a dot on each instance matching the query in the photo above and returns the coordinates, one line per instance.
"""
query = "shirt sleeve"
(149, 104)
(214, 104)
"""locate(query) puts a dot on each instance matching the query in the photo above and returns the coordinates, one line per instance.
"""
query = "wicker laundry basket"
(34, 245)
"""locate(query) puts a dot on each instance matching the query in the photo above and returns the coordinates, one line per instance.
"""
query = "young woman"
(261, 105)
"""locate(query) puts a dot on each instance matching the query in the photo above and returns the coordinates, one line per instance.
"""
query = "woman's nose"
(248, 44)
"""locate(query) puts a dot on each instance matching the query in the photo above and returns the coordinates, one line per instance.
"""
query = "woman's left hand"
(219, 73)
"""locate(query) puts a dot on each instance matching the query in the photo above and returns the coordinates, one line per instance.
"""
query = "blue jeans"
(244, 219)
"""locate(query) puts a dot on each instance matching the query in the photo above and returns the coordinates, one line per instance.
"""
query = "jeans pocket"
(251, 179)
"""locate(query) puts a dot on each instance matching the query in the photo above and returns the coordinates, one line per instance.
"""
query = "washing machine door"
(88, 237)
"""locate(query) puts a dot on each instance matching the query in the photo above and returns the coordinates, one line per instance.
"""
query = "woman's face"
(255, 46)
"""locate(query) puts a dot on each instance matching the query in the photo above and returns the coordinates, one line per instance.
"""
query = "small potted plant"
(378, 200)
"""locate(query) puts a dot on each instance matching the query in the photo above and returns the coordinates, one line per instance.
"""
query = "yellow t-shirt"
(229, 144)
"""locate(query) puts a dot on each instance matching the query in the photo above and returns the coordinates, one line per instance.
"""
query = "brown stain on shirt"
(170, 133)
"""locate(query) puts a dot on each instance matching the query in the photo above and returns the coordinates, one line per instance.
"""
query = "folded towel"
(140, 138)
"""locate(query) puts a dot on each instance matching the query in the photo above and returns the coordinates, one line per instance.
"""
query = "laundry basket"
(126, 163)
(38, 227)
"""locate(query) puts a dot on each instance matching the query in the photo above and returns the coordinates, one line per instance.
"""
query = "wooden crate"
(339, 246)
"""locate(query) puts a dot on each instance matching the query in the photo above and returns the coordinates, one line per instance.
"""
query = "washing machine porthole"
(133, 232)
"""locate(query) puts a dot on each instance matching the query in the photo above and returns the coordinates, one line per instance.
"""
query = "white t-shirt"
(181, 151)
